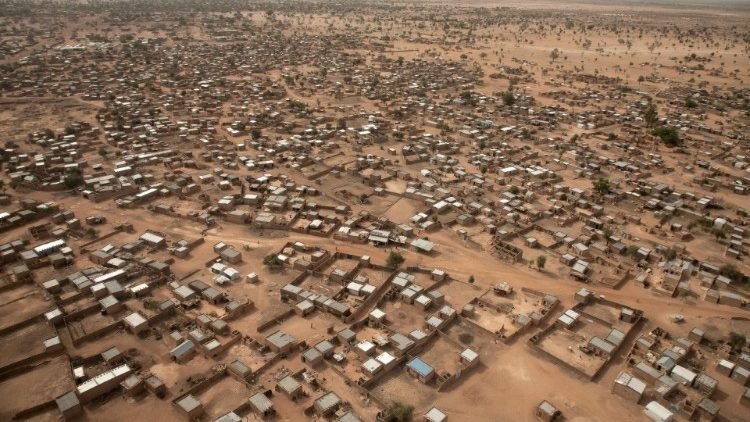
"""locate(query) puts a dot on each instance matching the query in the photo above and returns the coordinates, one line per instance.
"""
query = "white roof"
(377, 313)
(435, 415)
(135, 319)
(152, 238)
(658, 411)
(59, 243)
(385, 358)
(684, 373)
(109, 276)
(469, 355)
(365, 345)
(371, 365)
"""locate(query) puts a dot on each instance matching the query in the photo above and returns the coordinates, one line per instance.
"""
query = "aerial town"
(256, 210)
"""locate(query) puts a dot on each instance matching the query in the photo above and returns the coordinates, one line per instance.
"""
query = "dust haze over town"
(437, 210)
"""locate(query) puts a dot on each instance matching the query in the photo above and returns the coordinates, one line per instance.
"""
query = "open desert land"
(375, 211)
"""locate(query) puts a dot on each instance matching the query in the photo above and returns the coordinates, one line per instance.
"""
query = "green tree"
(471, 279)
(732, 273)
(554, 54)
(540, 261)
(508, 98)
(394, 259)
(737, 341)
(272, 261)
(73, 180)
(601, 185)
(668, 135)
(401, 412)
(650, 116)
(124, 38)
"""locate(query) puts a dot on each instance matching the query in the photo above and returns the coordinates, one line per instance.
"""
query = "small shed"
(262, 405)
(190, 406)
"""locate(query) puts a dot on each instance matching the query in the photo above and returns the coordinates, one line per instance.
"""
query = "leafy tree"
(272, 261)
(732, 273)
(651, 116)
(719, 233)
(632, 250)
(255, 133)
(468, 97)
(601, 185)
(540, 261)
(508, 98)
(73, 180)
(471, 279)
(341, 123)
(401, 412)
(668, 135)
(394, 259)
(554, 54)
(737, 341)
